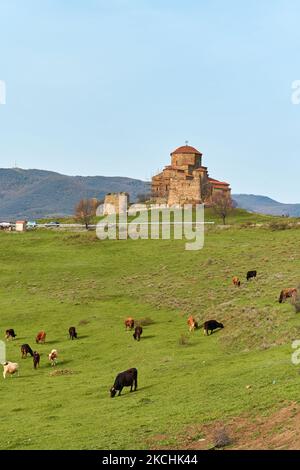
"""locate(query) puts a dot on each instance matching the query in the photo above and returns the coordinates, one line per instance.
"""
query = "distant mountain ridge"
(36, 193)
(40, 193)
(265, 205)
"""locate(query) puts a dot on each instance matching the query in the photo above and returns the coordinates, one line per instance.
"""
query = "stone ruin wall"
(116, 203)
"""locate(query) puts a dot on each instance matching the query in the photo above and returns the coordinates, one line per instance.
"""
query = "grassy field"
(236, 216)
(52, 281)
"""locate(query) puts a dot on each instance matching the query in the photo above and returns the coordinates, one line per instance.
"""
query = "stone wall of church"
(186, 159)
(185, 191)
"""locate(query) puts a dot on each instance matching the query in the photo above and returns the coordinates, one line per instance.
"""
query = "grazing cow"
(137, 333)
(10, 368)
(26, 349)
(251, 274)
(212, 325)
(285, 293)
(128, 378)
(10, 334)
(72, 332)
(53, 357)
(129, 323)
(36, 359)
(40, 337)
(192, 324)
(236, 281)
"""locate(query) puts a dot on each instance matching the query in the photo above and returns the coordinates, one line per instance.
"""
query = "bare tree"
(222, 204)
(205, 190)
(85, 210)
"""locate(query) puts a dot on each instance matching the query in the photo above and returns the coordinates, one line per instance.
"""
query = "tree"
(86, 210)
(205, 190)
(143, 197)
(222, 204)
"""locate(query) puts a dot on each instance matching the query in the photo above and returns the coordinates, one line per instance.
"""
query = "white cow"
(10, 368)
(53, 356)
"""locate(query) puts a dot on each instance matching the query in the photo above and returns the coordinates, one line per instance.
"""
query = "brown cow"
(137, 333)
(129, 323)
(36, 359)
(26, 349)
(72, 332)
(40, 337)
(285, 293)
(10, 334)
(192, 324)
(236, 281)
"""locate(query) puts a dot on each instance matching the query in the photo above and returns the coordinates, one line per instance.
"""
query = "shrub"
(221, 438)
(296, 300)
(145, 321)
(247, 224)
(61, 372)
(183, 340)
(278, 225)
(209, 262)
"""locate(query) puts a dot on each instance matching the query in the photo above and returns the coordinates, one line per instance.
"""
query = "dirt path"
(280, 430)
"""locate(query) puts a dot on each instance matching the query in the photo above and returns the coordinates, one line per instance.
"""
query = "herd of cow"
(290, 292)
(10, 368)
(211, 325)
(127, 378)
(124, 379)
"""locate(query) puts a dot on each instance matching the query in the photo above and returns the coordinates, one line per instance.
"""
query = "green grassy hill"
(236, 217)
(52, 281)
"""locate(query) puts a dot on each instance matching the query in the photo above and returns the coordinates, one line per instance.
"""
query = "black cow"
(10, 333)
(251, 274)
(137, 333)
(36, 359)
(128, 378)
(26, 349)
(212, 325)
(72, 332)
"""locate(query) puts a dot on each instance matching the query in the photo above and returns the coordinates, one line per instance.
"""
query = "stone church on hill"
(186, 181)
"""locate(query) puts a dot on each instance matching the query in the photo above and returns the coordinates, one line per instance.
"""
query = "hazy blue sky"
(111, 87)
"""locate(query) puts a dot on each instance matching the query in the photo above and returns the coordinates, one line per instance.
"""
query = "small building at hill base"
(21, 225)
(186, 180)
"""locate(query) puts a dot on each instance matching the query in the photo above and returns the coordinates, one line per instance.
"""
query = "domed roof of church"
(186, 149)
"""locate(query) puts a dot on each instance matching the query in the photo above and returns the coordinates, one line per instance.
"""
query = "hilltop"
(265, 205)
(40, 193)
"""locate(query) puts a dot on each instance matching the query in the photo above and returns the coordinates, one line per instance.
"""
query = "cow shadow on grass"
(45, 363)
(62, 363)
(213, 333)
(129, 394)
(147, 337)
(145, 387)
